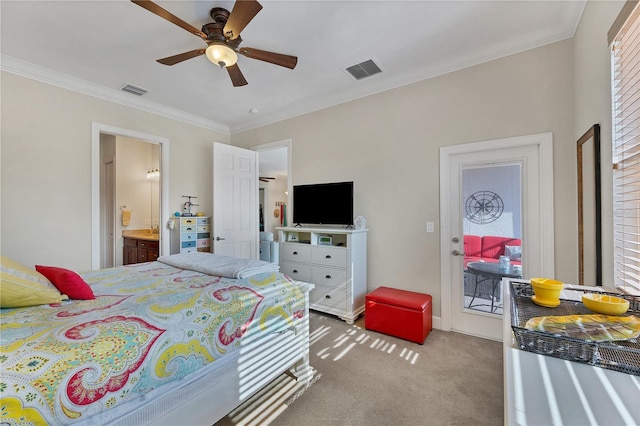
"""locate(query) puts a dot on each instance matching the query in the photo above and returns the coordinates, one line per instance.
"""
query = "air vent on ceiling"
(364, 69)
(130, 88)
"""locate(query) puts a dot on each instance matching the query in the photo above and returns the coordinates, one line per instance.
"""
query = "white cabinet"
(335, 260)
(195, 234)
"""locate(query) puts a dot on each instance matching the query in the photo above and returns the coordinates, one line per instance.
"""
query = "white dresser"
(195, 234)
(334, 260)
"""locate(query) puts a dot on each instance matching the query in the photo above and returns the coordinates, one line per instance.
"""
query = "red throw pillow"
(67, 282)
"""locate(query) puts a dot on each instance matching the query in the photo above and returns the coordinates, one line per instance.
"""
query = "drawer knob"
(328, 256)
(328, 296)
(328, 277)
(295, 252)
(295, 271)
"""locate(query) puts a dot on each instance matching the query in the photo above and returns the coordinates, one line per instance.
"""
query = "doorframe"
(96, 130)
(544, 143)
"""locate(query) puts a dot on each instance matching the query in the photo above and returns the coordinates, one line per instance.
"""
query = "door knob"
(219, 239)
(457, 253)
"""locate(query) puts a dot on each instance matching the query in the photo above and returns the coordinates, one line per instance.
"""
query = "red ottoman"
(399, 313)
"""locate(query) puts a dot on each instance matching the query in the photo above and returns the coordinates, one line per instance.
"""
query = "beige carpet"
(368, 378)
(265, 406)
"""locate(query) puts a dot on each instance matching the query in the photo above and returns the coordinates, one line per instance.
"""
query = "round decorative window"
(484, 207)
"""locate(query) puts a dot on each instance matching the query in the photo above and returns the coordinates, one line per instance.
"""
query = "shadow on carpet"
(271, 401)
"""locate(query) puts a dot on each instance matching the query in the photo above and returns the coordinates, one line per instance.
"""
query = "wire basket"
(623, 356)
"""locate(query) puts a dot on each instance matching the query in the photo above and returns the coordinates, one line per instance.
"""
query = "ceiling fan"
(223, 38)
(265, 178)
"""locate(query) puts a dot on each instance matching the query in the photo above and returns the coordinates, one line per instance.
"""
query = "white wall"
(388, 145)
(275, 193)
(46, 168)
(133, 189)
(592, 82)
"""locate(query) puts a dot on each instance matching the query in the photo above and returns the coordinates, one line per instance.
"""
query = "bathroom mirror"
(589, 208)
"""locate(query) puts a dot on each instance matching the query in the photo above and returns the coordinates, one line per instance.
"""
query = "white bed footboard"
(237, 377)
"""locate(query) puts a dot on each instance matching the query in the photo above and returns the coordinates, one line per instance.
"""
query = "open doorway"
(274, 166)
(151, 152)
(130, 195)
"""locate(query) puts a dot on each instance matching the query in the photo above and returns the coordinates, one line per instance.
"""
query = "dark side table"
(491, 272)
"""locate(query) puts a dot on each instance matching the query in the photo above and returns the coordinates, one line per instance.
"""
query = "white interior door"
(235, 201)
(534, 155)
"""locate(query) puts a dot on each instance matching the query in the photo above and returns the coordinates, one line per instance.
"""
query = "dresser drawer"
(148, 244)
(296, 252)
(187, 244)
(204, 228)
(330, 297)
(203, 242)
(296, 271)
(188, 237)
(184, 221)
(130, 242)
(329, 256)
(188, 229)
(335, 277)
(142, 256)
(204, 221)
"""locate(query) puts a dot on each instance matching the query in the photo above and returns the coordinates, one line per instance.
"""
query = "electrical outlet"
(430, 227)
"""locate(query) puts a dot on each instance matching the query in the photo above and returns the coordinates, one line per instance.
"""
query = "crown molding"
(45, 75)
(375, 87)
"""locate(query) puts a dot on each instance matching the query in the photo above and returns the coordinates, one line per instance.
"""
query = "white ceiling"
(273, 163)
(99, 46)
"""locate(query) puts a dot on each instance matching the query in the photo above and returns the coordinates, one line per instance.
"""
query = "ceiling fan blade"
(236, 76)
(242, 13)
(286, 61)
(172, 60)
(154, 8)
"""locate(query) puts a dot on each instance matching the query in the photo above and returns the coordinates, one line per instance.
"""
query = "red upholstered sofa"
(488, 248)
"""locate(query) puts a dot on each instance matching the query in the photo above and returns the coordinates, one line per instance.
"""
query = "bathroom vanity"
(139, 246)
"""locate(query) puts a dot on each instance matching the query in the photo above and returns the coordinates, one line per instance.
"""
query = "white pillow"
(514, 252)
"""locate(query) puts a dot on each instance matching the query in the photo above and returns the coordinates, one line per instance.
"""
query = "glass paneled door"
(495, 196)
(491, 212)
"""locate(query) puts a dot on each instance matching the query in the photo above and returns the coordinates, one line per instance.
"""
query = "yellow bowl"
(605, 304)
(547, 291)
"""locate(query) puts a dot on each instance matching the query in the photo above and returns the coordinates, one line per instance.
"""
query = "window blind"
(625, 56)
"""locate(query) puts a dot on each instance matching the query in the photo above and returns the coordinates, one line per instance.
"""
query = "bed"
(158, 344)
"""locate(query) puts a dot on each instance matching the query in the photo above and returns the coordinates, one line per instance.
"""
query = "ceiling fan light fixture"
(221, 54)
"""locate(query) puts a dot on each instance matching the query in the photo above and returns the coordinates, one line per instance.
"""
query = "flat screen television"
(323, 204)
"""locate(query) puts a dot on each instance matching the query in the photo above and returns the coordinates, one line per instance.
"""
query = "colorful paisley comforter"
(150, 324)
